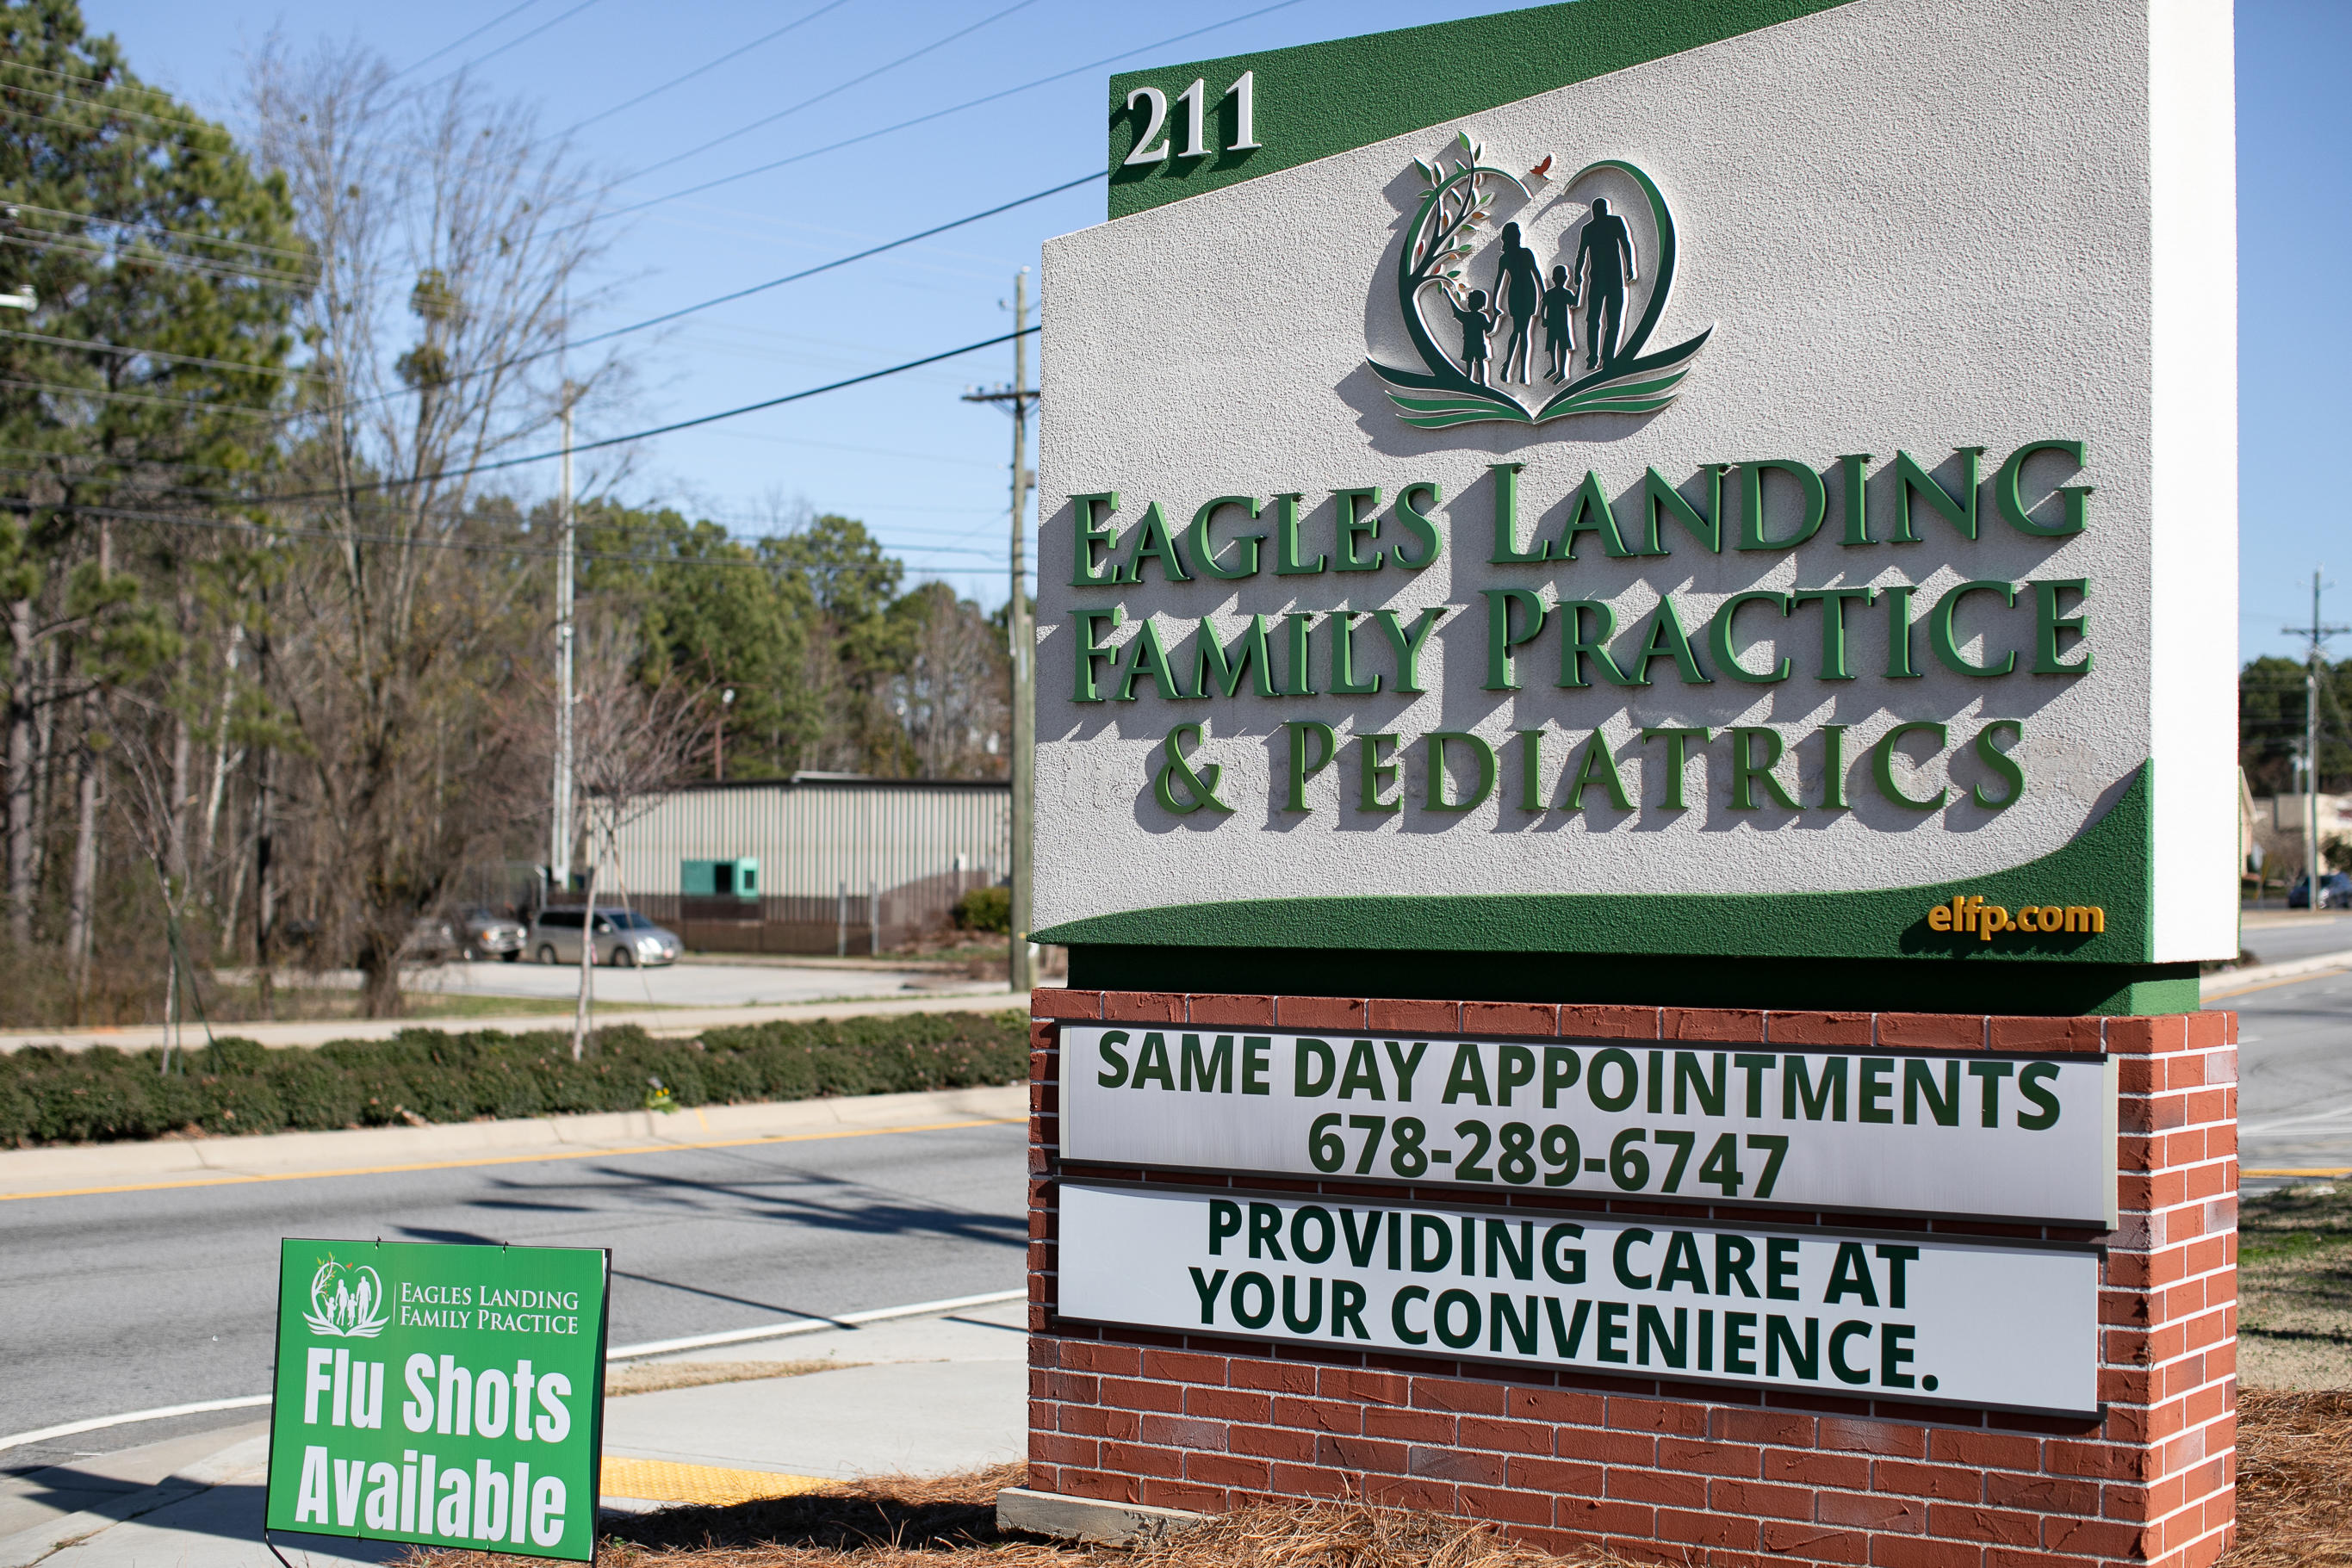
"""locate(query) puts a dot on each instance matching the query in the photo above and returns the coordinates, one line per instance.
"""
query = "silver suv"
(620, 937)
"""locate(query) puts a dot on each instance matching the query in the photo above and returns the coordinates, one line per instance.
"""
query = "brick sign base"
(1677, 1472)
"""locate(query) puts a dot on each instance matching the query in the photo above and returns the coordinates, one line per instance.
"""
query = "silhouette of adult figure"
(1604, 266)
(1518, 288)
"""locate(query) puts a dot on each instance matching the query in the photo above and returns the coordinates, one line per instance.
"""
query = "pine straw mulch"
(2294, 1479)
(2294, 1510)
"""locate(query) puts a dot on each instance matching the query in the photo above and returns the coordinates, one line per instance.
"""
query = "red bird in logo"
(1541, 170)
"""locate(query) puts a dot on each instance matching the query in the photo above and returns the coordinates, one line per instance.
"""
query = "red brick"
(1448, 1464)
(1990, 1524)
(1184, 1432)
(1946, 1031)
(1274, 1376)
(1155, 1493)
(1271, 1442)
(1391, 1016)
(1054, 1449)
(1597, 1023)
(1515, 1507)
(2145, 1036)
(1871, 1510)
(1319, 1013)
(2043, 1034)
(1508, 1436)
(1184, 1366)
(1086, 1355)
(1900, 1551)
(1818, 1028)
(1309, 1480)
(1784, 1426)
(1458, 1395)
(1372, 1388)
(1054, 1002)
(1606, 1516)
(1094, 1421)
(1674, 1416)
(1228, 1404)
(1843, 1435)
(1560, 1405)
(1239, 1011)
(1142, 1007)
(1752, 1496)
(1821, 1470)
(1402, 1492)
(2208, 1032)
(1509, 1018)
(2092, 1537)
(1714, 1458)
(1557, 1476)
(1988, 1450)
(1164, 1397)
(1607, 1447)
(1319, 1415)
(1137, 1458)
(1656, 1486)
(1714, 1530)
(1951, 1483)
(1360, 1454)
(1092, 1483)
(1226, 1470)
(1410, 1425)
(1733, 1025)
(1813, 1543)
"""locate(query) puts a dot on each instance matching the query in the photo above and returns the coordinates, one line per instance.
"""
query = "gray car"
(620, 937)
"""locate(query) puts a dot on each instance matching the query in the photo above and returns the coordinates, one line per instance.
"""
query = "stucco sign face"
(1542, 485)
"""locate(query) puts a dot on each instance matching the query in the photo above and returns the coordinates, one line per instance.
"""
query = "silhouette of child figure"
(1478, 324)
(1559, 327)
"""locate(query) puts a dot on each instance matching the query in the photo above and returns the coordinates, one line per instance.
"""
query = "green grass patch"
(48, 1095)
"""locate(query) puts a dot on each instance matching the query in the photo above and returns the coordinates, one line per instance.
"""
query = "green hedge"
(53, 1097)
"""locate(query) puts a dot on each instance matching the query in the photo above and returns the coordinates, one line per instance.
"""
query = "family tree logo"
(1441, 246)
(346, 1301)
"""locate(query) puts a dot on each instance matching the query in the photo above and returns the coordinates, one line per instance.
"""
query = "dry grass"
(2294, 1479)
(2294, 1287)
(652, 1378)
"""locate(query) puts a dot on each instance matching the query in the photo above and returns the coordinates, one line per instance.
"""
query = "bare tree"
(631, 742)
(449, 241)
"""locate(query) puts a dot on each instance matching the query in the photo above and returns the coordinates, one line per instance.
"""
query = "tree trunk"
(587, 964)
(183, 798)
(20, 777)
(81, 907)
(264, 896)
(380, 977)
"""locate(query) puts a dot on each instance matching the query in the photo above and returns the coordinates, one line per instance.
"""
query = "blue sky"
(927, 471)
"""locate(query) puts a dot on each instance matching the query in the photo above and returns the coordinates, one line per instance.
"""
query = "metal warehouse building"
(817, 863)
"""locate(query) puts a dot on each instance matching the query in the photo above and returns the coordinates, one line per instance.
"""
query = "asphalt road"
(135, 1301)
(2294, 1055)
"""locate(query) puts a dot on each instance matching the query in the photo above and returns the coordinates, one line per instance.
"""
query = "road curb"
(2229, 982)
(30, 1546)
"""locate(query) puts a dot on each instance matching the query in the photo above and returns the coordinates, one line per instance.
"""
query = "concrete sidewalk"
(921, 1395)
(667, 1021)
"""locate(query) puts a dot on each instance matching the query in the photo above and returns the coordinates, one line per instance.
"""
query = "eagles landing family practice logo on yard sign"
(1440, 270)
(347, 1302)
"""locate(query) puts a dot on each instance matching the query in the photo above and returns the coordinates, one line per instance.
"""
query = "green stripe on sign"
(2106, 865)
(1317, 100)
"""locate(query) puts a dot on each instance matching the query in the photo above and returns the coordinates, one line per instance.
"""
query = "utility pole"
(2318, 632)
(1021, 643)
(559, 860)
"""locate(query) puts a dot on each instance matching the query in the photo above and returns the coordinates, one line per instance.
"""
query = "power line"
(735, 53)
(927, 118)
(461, 43)
(835, 91)
(511, 43)
(14, 207)
(132, 353)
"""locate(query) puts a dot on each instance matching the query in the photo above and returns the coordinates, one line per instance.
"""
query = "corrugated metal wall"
(904, 851)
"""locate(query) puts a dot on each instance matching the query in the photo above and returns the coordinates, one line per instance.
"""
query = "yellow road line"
(231, 1180)
(659, 1480)
(2339, 1171)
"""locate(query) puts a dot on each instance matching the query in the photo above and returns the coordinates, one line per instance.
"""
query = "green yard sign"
(449, 1395)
